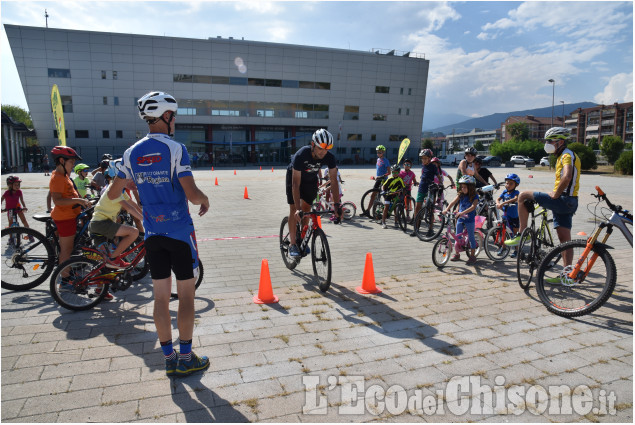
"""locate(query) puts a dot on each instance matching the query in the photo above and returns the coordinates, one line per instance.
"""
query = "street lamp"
(562, 101)
(553, 93)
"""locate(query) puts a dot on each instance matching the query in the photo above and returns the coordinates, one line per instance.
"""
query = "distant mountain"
(494, 121)
(433, 119)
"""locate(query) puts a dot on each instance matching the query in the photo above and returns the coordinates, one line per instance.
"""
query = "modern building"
(239, 100)
(15, 150)
(537, 126)
(602, 120)
(460, 141)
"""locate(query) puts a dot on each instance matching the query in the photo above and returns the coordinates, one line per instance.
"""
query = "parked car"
(492, 161)
(451, 159)
(544, 161)
(520, 159)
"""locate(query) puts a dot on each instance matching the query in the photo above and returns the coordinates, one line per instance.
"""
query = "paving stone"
(123, 412)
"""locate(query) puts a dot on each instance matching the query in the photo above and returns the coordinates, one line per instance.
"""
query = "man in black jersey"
(302, 181)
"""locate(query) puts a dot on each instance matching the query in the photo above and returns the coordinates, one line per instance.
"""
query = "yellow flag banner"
(403, 148)
(58, 114)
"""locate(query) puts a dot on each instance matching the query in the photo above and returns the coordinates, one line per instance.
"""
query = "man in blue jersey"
(160, 167)
(382, 170)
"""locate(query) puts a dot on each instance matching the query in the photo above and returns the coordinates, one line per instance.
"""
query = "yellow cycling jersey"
(567, 157)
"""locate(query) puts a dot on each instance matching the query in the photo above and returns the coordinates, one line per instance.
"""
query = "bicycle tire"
(525, 261)
(377, 211)
(289, 262)
(142, 268)
(441, 252)
(480, 244)
(78, 298)
(38, 255)
(492, 217)
(400, 216)
(495, 248)
(570, 299)
(349, 210)
(199, 279)
(366, 201)
(429, 223)
(321, 259)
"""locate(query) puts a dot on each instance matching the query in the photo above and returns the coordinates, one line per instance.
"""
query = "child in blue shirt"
(508, 202)
(465, 218)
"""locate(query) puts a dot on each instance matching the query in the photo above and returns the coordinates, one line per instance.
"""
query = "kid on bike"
(13, 200)
(392, 188)
(381, 173)
(507, 202)
(465, 218)
(409, 178)
(82, 182)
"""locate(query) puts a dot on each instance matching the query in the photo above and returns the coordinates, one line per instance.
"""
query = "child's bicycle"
(13, 217)
(429, 222)
(396, 206)
(319, 250)
(495, 247)
(583, 286)
(349, 209)
(443, 247)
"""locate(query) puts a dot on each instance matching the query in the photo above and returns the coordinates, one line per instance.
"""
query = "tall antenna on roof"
(46, 16)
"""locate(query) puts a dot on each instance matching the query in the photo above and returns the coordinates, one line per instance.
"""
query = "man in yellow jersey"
(563, 201)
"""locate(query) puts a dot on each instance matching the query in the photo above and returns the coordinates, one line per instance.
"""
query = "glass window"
(273, 83)
(59, 73)
(67, 103)
(105, 134)
(382, 89)
(409, 92)
(182, 78)
(323, 86)
(116, 101)
(119, 134)
(220, 80)
(399, 111)
(307, 84)
(354, 137)
(202, 79)
(114, 75)
(237, 81)
(81, 134)
(341, 150)
(186, 111)
(401, 90)
(373, 137)
(407, 111)
(292, 84)
(379, 117)
(256, 82)
(105, 100)
(301, 114)
(103, 75)
(394, 138)
(351, 112)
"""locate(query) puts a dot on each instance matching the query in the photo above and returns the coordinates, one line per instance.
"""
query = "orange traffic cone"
(319, 220)
(272, 169)
(234, 172)
(265, 291)
(530, 176)
(246, 194)
(261, 168)
(216, 181)
(582, 233)
(212, 168)
(368, 280)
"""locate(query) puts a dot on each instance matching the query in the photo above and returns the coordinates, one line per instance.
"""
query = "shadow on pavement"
(207, 406)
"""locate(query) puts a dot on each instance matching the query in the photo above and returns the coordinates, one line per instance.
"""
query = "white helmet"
(323, 139)
(154, 104)
(557, 133)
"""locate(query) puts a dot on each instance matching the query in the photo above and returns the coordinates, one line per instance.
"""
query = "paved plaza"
(460, 344)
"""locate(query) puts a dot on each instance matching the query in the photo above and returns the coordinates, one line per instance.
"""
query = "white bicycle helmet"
(467, 180)
(154, 104)
(555, 133)
(323, 138)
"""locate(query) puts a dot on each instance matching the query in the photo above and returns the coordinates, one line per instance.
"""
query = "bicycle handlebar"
(616, 208)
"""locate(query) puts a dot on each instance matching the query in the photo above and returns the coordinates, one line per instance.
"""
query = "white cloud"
(618, 89)
(264, 7)
(434, 15)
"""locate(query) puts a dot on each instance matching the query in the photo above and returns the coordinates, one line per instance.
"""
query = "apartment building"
(600, 121)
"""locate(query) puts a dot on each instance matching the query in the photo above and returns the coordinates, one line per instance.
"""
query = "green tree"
(479, 146)
(624, 163)
(612, 147)
(427, 144)
(588, 160)
(18, 114)
(519, 131)
(593, 144)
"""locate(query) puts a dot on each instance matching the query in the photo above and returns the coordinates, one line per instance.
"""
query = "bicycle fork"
(589, 246)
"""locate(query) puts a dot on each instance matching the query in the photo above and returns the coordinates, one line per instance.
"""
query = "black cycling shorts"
(379, 181)
(165, 255)
(308, 191)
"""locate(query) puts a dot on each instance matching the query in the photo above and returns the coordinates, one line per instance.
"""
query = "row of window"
(66, 73)
(83, 134)
(252, 109)
(352, 113)
(244, 81)
(360, 151)
(386, 89)
(373, 137)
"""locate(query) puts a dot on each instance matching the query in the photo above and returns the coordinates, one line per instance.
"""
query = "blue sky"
(485, 57)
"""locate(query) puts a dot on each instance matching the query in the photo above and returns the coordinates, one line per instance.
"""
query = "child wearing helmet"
(508, 203)
(467, 166)
(392, 188)
(409, 178)
(13, 200)
(82, 182)
(382, 171)
(466, 216)
(428, 172)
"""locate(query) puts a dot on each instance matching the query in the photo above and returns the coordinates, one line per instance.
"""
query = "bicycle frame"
(95, 255)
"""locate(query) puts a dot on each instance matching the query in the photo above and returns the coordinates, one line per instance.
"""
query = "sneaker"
(197, 363)
(501, 250)
(512, 242)
(455, 257)
(294, 251)
(31, 238)
(307, 250)
(171, 365)
(117, 263)
(553, 280)
(383, 226)
(413, 233)
(471, 260)
(107, 297)
(66, 285)
(514, 254)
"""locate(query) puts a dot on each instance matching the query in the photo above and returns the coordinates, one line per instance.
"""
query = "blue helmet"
(513, 177)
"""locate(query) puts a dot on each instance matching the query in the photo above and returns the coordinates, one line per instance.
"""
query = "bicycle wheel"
(26, 263)
(492, 217)
(321, 259)
(366, 201)
(400, 216)
(348, 210)
(495, 248)
(139, 271)
(441, 252)
(198, 280)
(377, 212)
(569, 297)
(479, 243)
(429, 223)
(79, 292)
(289, 261)
(526, 262)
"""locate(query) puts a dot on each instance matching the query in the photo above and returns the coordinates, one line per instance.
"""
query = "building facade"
(537, 126)
(600, 121)
(15, 150)
(460, 141)
(239, 101)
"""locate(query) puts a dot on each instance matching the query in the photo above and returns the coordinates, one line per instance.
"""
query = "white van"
(451, 159)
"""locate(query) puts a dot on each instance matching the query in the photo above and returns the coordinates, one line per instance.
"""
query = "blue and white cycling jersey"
(155, 163)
